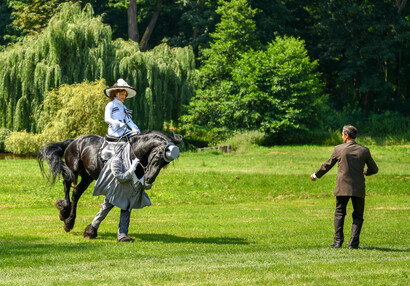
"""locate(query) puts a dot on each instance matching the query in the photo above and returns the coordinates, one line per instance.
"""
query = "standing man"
(351, 158)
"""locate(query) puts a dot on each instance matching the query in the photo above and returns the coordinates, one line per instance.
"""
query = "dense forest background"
(288, 69)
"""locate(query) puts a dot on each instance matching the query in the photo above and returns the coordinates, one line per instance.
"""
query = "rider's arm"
(131, 124)
(117, 168)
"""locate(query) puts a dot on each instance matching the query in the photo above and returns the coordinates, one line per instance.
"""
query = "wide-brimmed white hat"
(121, 84)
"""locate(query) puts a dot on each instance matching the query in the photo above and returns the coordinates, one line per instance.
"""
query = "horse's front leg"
(64, 206)
(77, 192)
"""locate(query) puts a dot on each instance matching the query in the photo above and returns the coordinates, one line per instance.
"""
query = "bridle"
(171, 152)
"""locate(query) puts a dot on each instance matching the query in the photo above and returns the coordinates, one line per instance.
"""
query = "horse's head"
(155, 150)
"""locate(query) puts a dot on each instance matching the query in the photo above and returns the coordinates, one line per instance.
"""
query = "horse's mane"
(157, 135)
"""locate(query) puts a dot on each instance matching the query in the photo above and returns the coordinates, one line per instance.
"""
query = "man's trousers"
(340, 213)
(106, 207)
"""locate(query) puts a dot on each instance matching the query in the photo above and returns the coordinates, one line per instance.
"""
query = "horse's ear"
(177, 138)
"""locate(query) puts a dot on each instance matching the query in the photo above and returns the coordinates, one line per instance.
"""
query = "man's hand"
(312, 177)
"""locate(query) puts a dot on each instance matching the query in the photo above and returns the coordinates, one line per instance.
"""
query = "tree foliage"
(7, 33)
(276, 91)
(162, 77)
(73, 48)
(234, 35)
(193, 21)
(32, 16)
(363, 50)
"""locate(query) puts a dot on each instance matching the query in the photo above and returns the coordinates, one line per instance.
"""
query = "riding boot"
(339, 235)
(356, 228)
(358, 210)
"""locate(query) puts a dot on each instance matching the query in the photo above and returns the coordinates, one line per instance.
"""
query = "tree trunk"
(132, 21)
(400, 5)
(151, 27)
(366, 100)
(196, 31)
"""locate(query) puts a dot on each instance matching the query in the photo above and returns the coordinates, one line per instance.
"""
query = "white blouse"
(119, 121)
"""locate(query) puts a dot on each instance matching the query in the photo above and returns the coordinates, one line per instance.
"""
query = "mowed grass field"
(246, 218)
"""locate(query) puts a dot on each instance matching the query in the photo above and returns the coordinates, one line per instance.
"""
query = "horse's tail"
(53, 155)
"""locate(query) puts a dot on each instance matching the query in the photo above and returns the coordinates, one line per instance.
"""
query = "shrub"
(197, 137)
(24, 143)
(68, 112)
(387, 123)
(334, 137)
(74, 110)
(242, 141)
(4, 133)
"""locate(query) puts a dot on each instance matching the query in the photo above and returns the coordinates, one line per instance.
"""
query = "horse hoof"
(90, 232)
(61, 205)
(68, 225)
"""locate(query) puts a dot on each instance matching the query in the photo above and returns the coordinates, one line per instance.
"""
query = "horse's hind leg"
(64, 206)
(77, 192)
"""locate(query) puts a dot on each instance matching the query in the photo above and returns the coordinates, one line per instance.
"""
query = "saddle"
(109, 147)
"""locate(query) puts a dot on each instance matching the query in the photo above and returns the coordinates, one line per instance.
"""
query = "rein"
(171, 151)
(144, 168)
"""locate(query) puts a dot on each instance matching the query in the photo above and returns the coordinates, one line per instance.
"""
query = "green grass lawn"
(249, 218)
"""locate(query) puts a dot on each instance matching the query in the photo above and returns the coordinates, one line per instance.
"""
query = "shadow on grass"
(169, 238)
(9, 249)
(385, 249)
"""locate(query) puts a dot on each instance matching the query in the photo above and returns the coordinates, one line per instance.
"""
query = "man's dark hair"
(350, 130)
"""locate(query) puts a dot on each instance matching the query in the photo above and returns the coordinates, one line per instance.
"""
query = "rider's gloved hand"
(134, 164)
(136, 130)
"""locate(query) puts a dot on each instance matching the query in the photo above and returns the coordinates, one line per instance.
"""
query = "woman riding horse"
(155, 149)
(152, 150)
(117, 181)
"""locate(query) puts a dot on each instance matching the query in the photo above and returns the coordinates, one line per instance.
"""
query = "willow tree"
(73, 48)
(162, 77)
(77, 47)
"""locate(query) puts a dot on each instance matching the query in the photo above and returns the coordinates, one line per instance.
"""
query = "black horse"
(81, 159)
